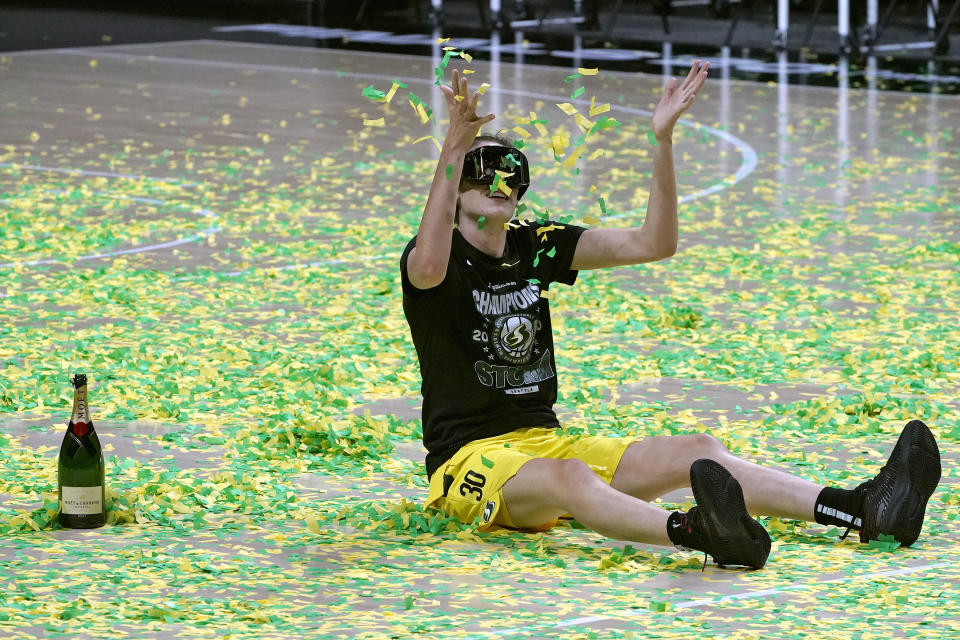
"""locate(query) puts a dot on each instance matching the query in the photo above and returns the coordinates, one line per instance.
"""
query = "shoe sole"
(740, 539)
(897, 508)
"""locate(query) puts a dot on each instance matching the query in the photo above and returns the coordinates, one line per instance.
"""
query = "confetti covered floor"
(210, 231)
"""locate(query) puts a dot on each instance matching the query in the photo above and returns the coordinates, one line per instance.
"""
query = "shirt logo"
(513, 337)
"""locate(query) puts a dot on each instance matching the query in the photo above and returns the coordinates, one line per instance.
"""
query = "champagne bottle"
(80, 472)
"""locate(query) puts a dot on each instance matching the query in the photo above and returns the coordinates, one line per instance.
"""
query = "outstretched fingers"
(694, 80)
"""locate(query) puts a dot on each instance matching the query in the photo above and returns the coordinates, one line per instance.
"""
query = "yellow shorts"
(468, 486)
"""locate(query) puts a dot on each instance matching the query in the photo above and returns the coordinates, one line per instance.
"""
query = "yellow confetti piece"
(591, 220)
(467, 72)
(449, 48)
(542, 230)
(596, 154)
(424, 117)
(466, 56)
(312, 525)
(442, 40)
(483, 88)
(393, 90)
(502, 186)
(582, 122)
(545, 294)
(588, 72)
(597, 109)
(94, 63)
(523, 133)
(458, 98)
(225, 119)
(542, 130)
(559, 143)
(567, 108)
(572, 158)
(373, 123)
(179, 507)
(34, 136)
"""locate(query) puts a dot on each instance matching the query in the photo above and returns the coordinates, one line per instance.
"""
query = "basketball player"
(497, 455)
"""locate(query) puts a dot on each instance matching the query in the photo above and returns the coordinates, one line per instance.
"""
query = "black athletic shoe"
(727, 531)
(894, 502)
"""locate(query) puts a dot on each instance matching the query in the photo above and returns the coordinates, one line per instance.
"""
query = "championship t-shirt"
(484, 340)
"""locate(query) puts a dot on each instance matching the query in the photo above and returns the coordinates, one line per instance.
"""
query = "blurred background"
(900, 45)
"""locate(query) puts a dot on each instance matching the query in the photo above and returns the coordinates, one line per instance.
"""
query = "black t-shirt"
(484, 340)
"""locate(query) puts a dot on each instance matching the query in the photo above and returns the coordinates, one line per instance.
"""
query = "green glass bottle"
(80, 473)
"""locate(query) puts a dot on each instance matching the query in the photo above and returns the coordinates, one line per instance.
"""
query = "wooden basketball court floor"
(211, 232)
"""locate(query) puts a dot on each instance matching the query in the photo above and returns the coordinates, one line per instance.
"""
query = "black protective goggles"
(481, 165)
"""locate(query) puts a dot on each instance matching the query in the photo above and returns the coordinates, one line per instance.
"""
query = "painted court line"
(99, 174)
(93, 47)
(206, 213)
(748, 154)
(704, 602)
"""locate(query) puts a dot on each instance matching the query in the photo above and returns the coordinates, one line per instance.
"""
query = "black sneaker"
(894, 502)
(727, 531)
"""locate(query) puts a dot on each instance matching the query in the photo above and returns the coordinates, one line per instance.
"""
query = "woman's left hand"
(677, 99)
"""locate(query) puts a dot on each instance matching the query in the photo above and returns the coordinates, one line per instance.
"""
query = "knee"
(573, 476)
(705, 445)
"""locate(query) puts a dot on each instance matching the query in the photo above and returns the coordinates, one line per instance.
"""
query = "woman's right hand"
(465, 124)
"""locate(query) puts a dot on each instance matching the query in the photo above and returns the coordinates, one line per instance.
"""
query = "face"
(477, 200)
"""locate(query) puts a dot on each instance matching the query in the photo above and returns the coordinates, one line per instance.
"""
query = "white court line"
(94, 47)
(548, 67)
(99, 174)
(703, 602)
(334, 51)
(206, 213)
(143, 249)
(748, 154)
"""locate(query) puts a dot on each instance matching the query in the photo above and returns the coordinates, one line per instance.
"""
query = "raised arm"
(427, 262)
(656, 239)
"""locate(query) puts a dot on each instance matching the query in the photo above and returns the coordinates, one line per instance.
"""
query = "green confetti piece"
(481, 222)
(536, 258)
(659, 606)
(552, 252)
(576, 94)
(417, 100)
(486, 462)
(884, 542)
(652, 139)
(571, 77)
(408, 603)
(449, 172)
(603, 205)
(373, 94)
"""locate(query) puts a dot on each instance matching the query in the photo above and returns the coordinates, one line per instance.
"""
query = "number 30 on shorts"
(473, 484)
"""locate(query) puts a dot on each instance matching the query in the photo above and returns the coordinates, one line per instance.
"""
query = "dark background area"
(696, 30)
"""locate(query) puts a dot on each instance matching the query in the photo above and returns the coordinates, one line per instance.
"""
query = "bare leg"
(545, 488)
(655, 466)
